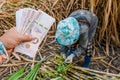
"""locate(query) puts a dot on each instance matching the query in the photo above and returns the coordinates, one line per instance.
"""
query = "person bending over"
(75, 34)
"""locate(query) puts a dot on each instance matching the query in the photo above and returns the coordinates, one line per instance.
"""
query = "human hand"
(69, 59)
(2, 58)
(63, 55)
(12, 38)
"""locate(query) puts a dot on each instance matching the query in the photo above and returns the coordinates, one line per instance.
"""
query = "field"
(106, 53)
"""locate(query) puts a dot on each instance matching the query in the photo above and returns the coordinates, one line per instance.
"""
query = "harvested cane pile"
(106, 56)
(53, 68)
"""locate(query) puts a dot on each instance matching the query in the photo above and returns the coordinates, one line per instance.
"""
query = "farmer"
(75, 35)
(9, 40)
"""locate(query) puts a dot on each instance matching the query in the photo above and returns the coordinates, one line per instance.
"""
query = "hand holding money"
(12, 38)
(32, 22)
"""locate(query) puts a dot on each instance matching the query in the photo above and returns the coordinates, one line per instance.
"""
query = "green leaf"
(16, 75)
(41, 79)
(33, 73)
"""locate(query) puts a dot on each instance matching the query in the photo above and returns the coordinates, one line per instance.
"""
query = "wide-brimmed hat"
(68, 31)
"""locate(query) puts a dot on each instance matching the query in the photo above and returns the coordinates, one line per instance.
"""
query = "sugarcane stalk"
(95, 71)
(55, 72)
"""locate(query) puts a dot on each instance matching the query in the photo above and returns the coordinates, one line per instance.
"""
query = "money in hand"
(32, 22)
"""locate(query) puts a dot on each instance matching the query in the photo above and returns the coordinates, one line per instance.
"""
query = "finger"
(13, 28)
(5, 30)
(26, 38)
(9, 51)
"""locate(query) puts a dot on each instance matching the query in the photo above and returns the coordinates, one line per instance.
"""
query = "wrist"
(3, 52)
(3, 40)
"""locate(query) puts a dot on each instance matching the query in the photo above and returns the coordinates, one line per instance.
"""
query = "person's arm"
(83, 40)
(10, 40)
(64, 51)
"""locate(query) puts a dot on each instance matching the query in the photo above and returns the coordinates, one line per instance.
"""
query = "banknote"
(36, 23)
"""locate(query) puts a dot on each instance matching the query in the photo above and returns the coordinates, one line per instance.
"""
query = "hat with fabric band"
(68, 31)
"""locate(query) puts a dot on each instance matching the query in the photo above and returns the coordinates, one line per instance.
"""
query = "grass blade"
(33, 72)
(16, 75)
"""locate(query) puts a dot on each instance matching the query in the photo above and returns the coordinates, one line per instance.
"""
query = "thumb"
(26, 38)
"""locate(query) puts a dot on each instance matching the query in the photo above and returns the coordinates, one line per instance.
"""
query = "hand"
(12, 38)
(63, 55)
(2, 58)
(69, 58)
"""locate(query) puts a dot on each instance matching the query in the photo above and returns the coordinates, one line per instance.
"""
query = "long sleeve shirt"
(88, 23)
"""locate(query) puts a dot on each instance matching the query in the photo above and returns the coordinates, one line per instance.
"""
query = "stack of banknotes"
(36, 23)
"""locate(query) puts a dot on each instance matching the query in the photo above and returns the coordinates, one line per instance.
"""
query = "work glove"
(63, 55)
(69, 59)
